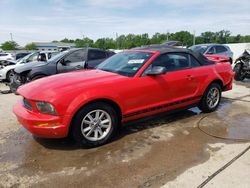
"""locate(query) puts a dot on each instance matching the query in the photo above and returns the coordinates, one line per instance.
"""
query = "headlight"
(45, 108)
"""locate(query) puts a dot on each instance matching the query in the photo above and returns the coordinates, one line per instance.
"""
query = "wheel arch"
(8, 72)
(110, 102)
(36, 75)
(215, 80)
(218, 81)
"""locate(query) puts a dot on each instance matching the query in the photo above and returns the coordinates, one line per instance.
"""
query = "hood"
(29, 66)
(7, 63)
(13, 66)
(47, 88)
(9, 67)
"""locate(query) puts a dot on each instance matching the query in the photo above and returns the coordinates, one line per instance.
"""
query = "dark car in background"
(213, 49)
(66, 61)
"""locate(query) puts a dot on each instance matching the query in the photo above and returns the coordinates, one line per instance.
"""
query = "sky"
(48, 20)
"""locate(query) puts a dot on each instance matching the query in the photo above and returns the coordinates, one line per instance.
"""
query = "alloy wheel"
(213, 97)
(96, 125)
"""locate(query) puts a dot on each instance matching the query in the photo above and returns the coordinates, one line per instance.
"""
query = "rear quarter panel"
(225, 71)
(218, 71)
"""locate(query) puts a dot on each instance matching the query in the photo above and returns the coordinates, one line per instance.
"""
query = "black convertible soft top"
(166, 49)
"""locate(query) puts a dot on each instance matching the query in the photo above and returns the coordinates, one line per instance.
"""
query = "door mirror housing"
(63, 62)
(157, 70)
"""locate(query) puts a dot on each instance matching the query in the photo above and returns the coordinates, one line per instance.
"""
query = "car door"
(157, 92)
(72, 61)
(180, 80)
(95, 57)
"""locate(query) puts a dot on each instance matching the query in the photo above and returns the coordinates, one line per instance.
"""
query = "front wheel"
(15, 82)
(94, 125)
(211, 98)
(239, 73)
(9, 76)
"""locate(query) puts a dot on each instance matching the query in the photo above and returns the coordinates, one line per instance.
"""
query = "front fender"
(92, 95)
(21, 69)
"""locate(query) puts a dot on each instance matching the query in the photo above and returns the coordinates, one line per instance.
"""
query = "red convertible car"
(91, 104)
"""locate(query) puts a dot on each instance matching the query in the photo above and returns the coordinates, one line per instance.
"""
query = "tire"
(14, 84)
(238, 72)
(80, 130)
(205, 103)
(37, 77)
(9, 75)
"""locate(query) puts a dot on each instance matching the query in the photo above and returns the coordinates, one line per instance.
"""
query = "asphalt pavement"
(185, 149)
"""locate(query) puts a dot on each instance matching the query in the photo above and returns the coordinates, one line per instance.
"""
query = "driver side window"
(76, 56)
(171, 61)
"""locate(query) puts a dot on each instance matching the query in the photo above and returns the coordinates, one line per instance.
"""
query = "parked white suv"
(6, 56)
(7, 72)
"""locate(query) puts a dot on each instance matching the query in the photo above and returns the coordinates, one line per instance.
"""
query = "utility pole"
(116, 37)
(167, 34)
(194, 39)
(11, 37)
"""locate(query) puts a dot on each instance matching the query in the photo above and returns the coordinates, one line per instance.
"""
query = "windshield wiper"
(108, 70)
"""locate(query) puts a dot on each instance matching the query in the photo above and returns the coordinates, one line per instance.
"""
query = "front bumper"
(42, 125)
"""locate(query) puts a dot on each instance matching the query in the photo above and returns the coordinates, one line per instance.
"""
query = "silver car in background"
(7, 69)
(217, 49)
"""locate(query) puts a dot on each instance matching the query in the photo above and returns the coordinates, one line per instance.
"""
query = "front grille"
(27, 104)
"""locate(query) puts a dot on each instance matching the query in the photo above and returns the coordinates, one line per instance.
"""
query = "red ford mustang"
(130, 85)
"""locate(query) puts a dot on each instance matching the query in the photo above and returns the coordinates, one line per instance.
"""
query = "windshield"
(125, 63)
(201, 49)
(25, 58)
(58, 56)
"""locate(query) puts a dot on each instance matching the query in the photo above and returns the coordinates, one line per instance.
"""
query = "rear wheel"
(94, 125)
(239, 73)
(211, 98)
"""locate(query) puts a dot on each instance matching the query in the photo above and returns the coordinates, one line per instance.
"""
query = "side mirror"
(157, 70)
(63, 62)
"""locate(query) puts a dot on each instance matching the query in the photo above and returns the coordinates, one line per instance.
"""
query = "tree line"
(134, 40)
